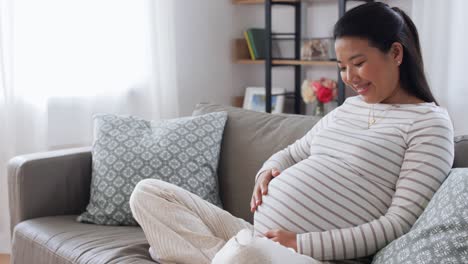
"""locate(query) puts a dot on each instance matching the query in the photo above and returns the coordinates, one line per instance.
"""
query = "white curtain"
(62, 61)
(443, 33)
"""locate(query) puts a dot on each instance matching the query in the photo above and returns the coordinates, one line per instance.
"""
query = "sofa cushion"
(126, 150)
(250, 138)
(440, 233)
(62, 240)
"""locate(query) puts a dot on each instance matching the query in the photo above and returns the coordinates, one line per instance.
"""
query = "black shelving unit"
(296, 36)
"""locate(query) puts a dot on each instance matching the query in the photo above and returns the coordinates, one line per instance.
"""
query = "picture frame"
(318, 49)
(255, 99)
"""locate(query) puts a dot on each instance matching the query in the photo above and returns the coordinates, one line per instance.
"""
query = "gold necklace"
(371, 120)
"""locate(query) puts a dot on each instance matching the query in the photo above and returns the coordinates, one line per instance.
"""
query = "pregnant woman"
(356, 181)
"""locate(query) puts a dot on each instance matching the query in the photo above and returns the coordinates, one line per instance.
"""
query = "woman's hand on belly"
(261, 187)
(285, 238)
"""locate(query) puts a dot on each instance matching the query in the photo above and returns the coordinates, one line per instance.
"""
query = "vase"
(319, 109)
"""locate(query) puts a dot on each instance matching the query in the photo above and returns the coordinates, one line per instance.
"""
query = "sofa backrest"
(250, 138)
(461, 152)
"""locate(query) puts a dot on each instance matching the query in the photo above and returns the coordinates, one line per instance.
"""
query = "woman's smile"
(361, 88)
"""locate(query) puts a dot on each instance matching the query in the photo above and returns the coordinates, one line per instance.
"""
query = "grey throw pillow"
(127, 149)
(440, 235)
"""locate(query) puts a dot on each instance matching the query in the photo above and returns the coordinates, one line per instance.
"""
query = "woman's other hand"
(261, 187)
(285, 238)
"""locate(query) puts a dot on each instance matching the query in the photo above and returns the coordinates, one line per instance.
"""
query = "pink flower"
(324, 94)
(323, 90)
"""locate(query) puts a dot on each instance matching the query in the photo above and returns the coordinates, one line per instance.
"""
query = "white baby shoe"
(245, 248)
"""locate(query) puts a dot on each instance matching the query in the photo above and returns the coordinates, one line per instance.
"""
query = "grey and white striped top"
(347, 189)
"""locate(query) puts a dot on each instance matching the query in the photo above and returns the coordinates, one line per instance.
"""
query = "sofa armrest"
(49, 183)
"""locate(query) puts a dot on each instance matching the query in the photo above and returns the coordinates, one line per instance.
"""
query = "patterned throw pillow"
(127, 149)
(440, 235)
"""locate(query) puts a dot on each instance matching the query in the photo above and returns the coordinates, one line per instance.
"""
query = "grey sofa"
(48, 190)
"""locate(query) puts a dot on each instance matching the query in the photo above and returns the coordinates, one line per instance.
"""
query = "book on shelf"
(257, 37)
(249, 45)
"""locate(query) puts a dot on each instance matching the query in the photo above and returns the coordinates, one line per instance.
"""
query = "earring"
(399, 62)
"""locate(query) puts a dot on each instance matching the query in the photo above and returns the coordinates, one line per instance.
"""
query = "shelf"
(305, 63)
(289, 62)
(247, 61)
(253, 2)
(241, 55)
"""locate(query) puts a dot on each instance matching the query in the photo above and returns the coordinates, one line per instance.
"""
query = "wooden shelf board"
(302, 62)
(252, 2)
(289, 62)
(247, 61)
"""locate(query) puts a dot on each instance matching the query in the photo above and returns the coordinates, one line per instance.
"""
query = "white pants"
(183, 228)
(180, 226)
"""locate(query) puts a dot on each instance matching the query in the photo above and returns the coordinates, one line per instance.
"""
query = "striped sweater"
(348, 189)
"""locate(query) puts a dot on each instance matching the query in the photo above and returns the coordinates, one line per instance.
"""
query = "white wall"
(205, 72)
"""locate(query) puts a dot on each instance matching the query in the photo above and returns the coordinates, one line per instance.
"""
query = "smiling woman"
(372, 74)
(361, 177)
(381, 60)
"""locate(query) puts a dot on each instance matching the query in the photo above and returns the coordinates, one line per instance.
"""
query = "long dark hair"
(382, 26)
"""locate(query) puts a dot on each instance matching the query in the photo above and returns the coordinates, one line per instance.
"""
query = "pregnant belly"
(303, 199)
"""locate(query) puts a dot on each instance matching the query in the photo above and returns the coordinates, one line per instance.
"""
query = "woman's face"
(368, 71)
